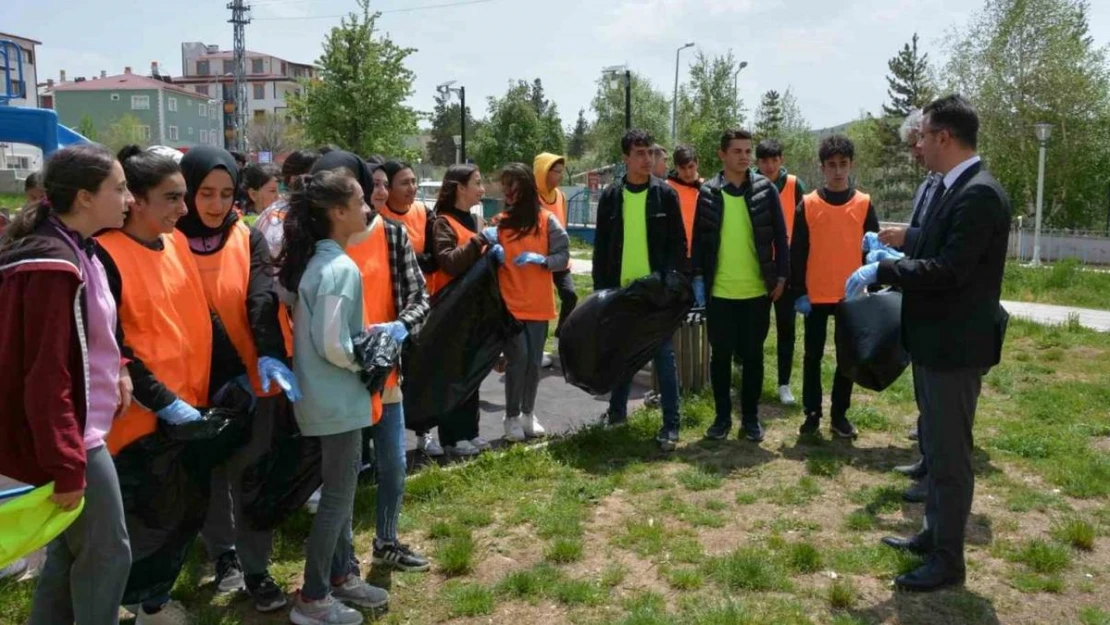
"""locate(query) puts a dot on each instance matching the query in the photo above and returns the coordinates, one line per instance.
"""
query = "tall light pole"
(613, 72)
(674, 103)
(1043, 132)
(736, 81)
(446, 89)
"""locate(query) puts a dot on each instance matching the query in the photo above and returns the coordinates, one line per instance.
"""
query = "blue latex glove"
(179, 412)
(490, 235)
(699, 292)
(864, 277)
(497, 253)
(802, 306)
(871, 242)
(272, 369)
(396, 329)
(875, 256)
(530, 258)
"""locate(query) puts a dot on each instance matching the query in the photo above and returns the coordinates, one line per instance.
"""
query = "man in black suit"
(952, 324)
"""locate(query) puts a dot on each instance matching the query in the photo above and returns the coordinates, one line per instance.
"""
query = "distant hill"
(832, 130)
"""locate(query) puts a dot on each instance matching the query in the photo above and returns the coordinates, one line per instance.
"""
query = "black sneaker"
(400, 557)
(229, 573)
(843, 428)
(752, 430)
(719, 430)
(268, 596)
(667, 438)
(812, 424)
(611, 420)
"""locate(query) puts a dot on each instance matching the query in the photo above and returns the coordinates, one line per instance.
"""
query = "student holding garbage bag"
(57, 345)
(639, 232)
(324, 213)
(393, 301)
(952, 325)
(536, 245)
(234, 263)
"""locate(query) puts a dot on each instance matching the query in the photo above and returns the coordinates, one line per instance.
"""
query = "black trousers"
(817, 329)
(786, 335)
(568, 298)
(949, 400)
(737, 328)
(461, 424)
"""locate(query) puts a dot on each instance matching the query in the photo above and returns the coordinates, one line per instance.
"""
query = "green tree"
(908, 84)
(707, 108)
(799, 144)
(358, 102)
(769, 116)
(577, 141)
(516, 131)
(86, 128)
(651, 111)
(274, 134)
(126, 130)
(446, 121)
(1024, 62)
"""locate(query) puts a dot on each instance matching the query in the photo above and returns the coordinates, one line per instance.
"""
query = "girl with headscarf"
(235, 271)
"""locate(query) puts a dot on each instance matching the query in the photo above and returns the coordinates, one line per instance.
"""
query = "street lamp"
(458, 148)
(1043, 132)
(613, 73)
(674, 103)
(736, 81)
(445, 90)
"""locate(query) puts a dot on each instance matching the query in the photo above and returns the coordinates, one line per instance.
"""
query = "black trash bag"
(377, 354)
(165, 480)
(281, 480)
(466, 331)
(614, 333)
(869, 348)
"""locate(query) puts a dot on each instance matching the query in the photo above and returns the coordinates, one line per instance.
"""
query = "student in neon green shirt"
(639, 232)
(741, 262)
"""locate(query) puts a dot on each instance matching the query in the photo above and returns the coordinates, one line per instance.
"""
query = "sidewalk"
(1055, 315)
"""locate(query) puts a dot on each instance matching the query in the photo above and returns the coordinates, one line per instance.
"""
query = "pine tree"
(769, 116)
(576, 142)
(908, 83)
(445, 126)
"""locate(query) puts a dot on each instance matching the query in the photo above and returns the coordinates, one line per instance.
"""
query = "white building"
(22, 158)
(270, 79)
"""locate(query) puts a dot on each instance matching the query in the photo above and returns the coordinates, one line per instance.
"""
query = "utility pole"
(674, 103)
(240, 17)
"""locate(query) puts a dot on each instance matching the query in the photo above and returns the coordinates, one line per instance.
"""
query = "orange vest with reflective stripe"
(527, 290)
(463, 236)
(557, 208)
(688, 202)
(225, 275)
(166, 322)
(835, 233)
(788, 197)
(372, 257)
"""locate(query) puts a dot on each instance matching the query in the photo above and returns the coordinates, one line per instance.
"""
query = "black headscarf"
(197, 163)
(339, 159)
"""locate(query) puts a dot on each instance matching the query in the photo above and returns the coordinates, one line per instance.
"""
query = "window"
(257, 66)
(28, 56)
(114, 97)
(144, 132)
(260, 115)
(202, 68)
(171, 105)
(17, 90)
(259, 91)
(173, 133)
(203, 136)
(190, 131)
(229, 67)
(203, 110)
(284, 69)
(202, 89)
(140, 103)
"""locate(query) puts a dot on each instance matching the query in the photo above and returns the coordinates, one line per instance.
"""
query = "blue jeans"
(389, 447)
(667, 372)
(330, 541)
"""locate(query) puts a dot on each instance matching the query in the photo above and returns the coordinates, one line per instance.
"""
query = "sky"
(832, 55)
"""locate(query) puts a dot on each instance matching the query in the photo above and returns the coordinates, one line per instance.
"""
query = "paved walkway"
(1054, 315)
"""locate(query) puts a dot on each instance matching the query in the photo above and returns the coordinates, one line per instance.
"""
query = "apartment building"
(270, 79)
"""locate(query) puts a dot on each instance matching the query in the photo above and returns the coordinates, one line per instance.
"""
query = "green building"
(166, 114)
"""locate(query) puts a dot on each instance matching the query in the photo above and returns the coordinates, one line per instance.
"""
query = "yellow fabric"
(738, 275)
(635, 263)
(540, 166)
(29, 522)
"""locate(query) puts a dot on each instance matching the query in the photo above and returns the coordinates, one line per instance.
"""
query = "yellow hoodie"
(551, 199)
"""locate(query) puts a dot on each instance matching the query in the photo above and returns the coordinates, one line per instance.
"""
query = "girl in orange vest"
(234, 265)
(536, 245)
(458, 245)
(403, 208)
(165, 329)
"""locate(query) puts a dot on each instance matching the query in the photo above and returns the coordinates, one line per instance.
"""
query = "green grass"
(1075, 532)
(466, 599)
(804, 558)
(455, 553)
(842, 594)
(1064, 283)
(564, 551)
(684, 578)
(1041, 556)
(748, 568)
(700, 478)
(1090, 615)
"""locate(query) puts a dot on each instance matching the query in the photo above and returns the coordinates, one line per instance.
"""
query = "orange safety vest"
(415, 222)
(166, 322)
(372, 257)
(688, 202)
(835, 233)
(441, 278)
(527, 290)
(225, 275)
(558, 207)
(788, 197)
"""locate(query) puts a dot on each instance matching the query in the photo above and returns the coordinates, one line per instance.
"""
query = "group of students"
(750, 239)
(133, 292)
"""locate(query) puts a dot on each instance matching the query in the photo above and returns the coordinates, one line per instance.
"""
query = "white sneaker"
(427, 444)
(173, 613)
(514, 432)
(481, 443)
(546, 361)
(463, 448)
(327, 611)
(358, 592)
(313, 502)
(532, 427)
(786, 397)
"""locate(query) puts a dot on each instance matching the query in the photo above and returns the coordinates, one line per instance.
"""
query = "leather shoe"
(915, 471)
(930, 577)
(918, 544)
(916, 493)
